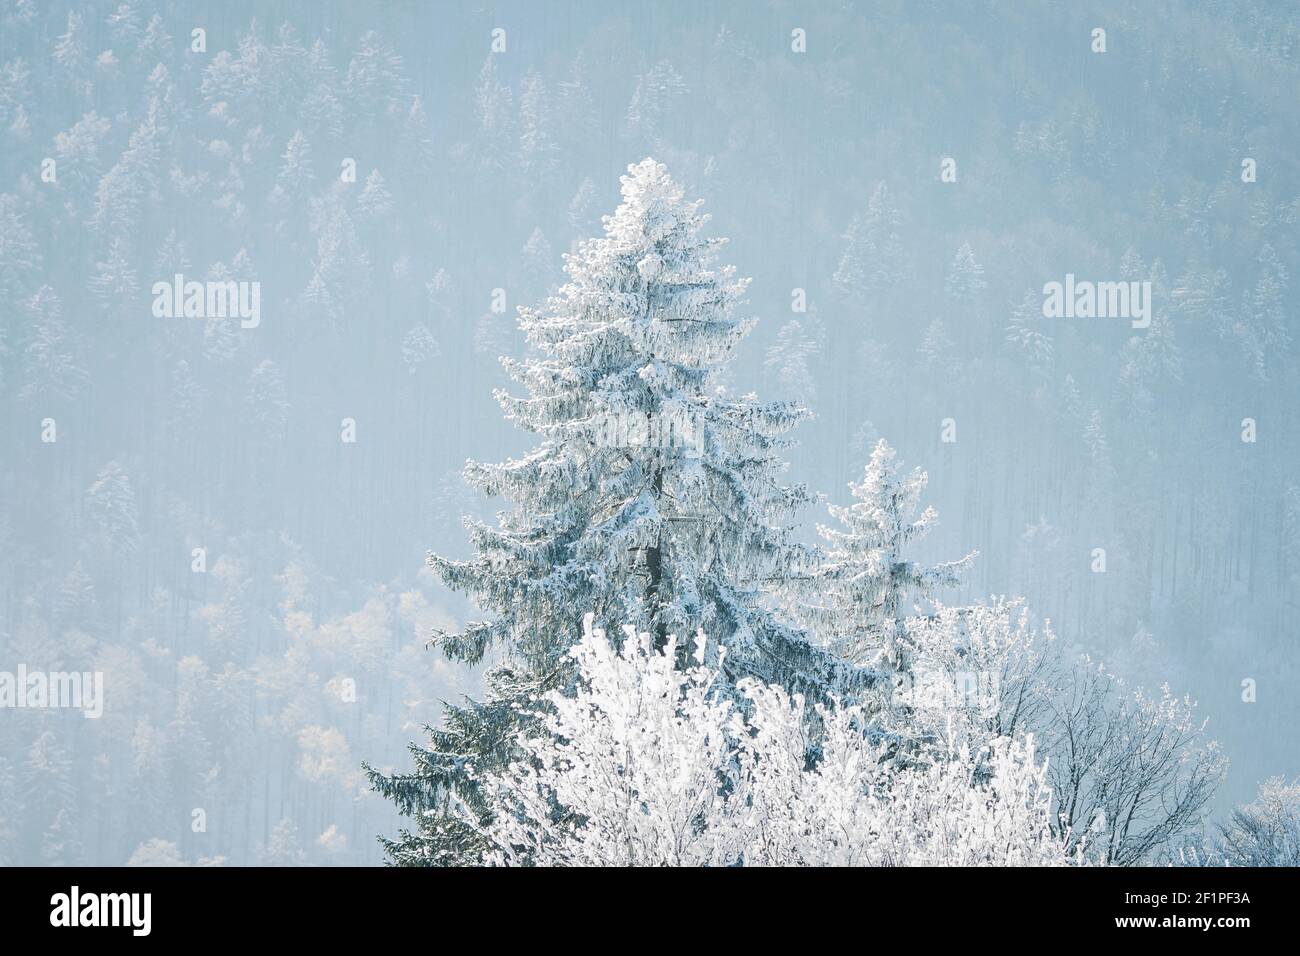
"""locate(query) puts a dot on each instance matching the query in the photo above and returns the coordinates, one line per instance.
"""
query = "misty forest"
(850, 433)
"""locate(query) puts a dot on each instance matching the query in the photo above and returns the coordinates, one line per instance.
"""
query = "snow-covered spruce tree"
(859, 596)
(654, 499)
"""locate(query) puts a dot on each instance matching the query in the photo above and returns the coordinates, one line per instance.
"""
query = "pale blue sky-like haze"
(251, 686)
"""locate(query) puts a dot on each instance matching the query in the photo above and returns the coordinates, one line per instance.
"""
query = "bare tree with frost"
(1266, 831)
(647, 764)
(1132, 770)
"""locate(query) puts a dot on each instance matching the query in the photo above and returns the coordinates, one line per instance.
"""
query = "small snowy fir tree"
(70, 50)
(52, 363)
(266, 402)
(872, 258)
(1025, 339)
(581, 206)
(494, 110)
(296, 172)
(965, 279)
(536, 255)
(418, 347)
(796, 346)
(111, 506)
(653, 499)
(859, 597)
(375, 201)
(938, 353)
(655, 91)
(537, 149)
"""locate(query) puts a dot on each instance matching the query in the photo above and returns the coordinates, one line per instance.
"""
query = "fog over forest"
(227, 517)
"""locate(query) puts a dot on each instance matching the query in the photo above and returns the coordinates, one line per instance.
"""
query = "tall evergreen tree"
(654, 499)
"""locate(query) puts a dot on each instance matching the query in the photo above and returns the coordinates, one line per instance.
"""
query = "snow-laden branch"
(646, 764)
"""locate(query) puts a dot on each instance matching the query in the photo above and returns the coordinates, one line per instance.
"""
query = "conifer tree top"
(652, 204)
(651, 281)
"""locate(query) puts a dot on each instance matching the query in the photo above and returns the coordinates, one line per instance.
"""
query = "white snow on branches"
(647, 766)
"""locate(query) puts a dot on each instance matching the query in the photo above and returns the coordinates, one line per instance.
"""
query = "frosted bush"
(647, 764)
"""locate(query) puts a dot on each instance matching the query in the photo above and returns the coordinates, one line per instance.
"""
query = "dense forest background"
(252, 689)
